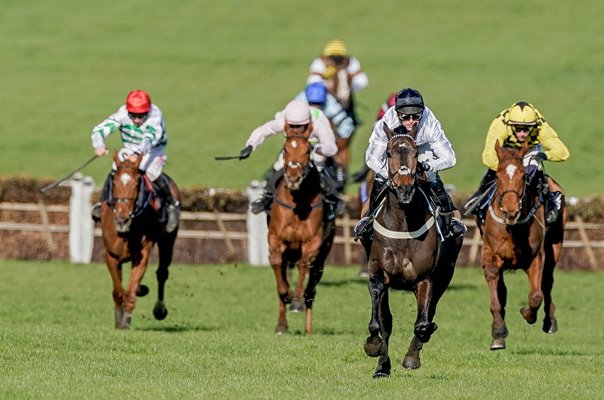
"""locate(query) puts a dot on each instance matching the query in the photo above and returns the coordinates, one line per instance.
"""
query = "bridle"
(137, 198)
(297, 164)
(403, 170)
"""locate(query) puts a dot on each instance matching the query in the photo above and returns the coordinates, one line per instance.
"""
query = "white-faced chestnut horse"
(408, 252)
(298, 233)
(515, 236)
(131, 227)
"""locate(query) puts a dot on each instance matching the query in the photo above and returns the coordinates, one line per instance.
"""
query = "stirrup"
(552, 216)
(361, 226)
(260, 205)
(457, 227)
(95, 212)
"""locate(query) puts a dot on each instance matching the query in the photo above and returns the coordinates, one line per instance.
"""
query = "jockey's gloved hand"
(245, 153)
(423, 166)
(541, 156)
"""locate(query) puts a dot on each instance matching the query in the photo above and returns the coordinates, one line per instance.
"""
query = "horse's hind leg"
(166, 248)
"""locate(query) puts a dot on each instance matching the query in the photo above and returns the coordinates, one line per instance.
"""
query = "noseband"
(135, 211)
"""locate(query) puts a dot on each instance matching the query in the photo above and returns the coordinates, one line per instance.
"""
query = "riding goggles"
(407, 117)
(142, 116)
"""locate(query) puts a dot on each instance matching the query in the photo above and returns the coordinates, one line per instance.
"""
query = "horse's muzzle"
(122, 224)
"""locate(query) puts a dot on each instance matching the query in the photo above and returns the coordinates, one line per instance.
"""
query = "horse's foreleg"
(139, 266)
(535, 298)
(115, 271)
(424, 327)
(498, 294)
(276, 250)
(374, 345)
(314, 276)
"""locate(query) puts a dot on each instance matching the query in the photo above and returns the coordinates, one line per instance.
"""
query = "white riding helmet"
(297, 112)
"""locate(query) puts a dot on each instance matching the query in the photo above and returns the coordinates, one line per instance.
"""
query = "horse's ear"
(138, 160)
(524, 148)
(387, 130)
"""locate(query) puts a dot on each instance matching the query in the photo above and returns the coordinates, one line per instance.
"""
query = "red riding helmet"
(138, 102)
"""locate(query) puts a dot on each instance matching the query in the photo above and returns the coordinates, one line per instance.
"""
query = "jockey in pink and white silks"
(297, 117)
(143, 131)
(410, 116)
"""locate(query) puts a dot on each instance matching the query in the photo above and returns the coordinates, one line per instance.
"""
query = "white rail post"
(257, 229)
(81, 226)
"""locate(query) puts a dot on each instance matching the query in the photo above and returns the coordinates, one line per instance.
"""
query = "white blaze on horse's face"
(510, 170)
(404, 170)
(125, 178)
(294, 144)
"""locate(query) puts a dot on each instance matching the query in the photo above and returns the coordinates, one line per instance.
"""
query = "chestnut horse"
(514, 237)
(408, 252)
(131, 227)
(297, 231)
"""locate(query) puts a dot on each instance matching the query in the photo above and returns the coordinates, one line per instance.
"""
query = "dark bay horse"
(515, 236)
(408, 252)
(130, 230)
(297, 231)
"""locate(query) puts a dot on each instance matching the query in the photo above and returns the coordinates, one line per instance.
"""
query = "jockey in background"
(341, 73)
(296, 118)
(410, 116)
(143, 131)
(316, 95)
(512, 127)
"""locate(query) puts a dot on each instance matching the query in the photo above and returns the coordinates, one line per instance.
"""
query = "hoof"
(498, 344)
(373, 346)
(124, 323)
(381, 374)
(279, 330)
(296, 306)
(160, 311)
(411, 362)
(142, 291)
(550, 326)
(528, 315)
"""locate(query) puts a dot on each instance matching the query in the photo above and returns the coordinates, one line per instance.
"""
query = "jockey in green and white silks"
(143, 131)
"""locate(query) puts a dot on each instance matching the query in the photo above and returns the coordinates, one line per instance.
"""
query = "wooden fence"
(226, 235)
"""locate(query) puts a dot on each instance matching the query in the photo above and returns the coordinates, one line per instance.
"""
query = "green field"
(219, 69)
(57, 339)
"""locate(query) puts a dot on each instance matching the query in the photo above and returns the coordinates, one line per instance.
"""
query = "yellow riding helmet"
(335, 48)
(522, 113)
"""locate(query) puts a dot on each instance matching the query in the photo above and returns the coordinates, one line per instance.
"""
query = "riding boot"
(264, 203)
(331, 195)
(553, 204)
(169, 204)
(95, 212)
(377, 194)
(487, 180)
(454, 226)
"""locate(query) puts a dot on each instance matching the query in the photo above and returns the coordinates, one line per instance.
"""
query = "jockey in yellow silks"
(520, 123)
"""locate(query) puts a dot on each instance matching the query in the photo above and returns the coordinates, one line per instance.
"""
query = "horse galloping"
(297, 231)
(131, 227)
(408, 252)
(515, 236)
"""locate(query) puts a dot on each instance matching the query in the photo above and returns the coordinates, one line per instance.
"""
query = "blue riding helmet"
(316, 93)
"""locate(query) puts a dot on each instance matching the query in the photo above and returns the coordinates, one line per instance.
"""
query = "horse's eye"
(388, 154)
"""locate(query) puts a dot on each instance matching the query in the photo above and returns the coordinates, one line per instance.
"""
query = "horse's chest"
(403, 267)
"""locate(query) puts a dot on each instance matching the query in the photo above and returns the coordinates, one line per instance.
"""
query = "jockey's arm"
(101, 131)
(497, 132)
(265, 130)
(327, 141)
(554, 149)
